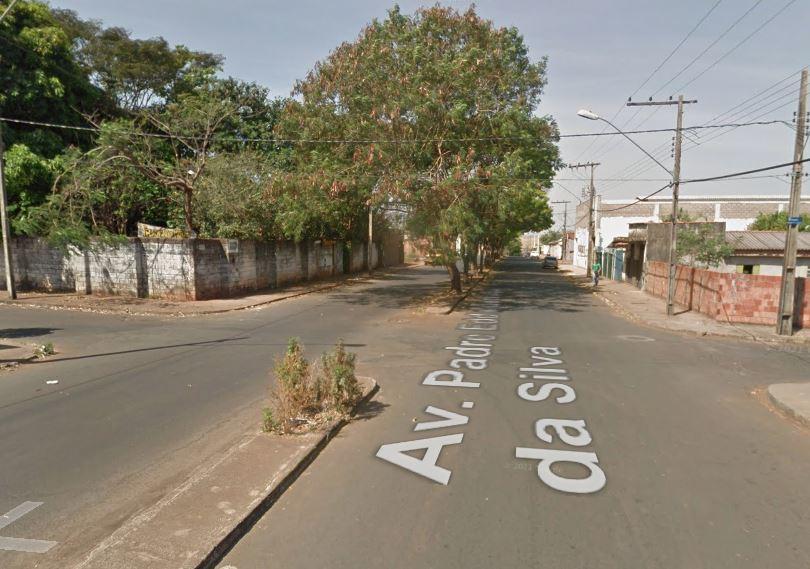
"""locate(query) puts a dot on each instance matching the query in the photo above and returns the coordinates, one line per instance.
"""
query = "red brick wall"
(730, 297)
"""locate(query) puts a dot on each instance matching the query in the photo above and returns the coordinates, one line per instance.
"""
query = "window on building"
(748, 269)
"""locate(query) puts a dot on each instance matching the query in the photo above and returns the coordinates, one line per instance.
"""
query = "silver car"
(550, 262)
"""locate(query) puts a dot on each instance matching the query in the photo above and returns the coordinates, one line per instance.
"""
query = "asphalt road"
(699, 473)
(140, 402)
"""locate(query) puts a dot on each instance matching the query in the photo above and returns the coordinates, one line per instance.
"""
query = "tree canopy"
(433, 115)
(435, 111)
(776, 221)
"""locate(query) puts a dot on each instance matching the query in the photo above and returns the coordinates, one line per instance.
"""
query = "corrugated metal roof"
(764, 240)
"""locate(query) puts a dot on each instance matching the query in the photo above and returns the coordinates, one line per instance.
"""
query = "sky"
(741, 63)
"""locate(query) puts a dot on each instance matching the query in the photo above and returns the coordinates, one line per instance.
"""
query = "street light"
(590, 115)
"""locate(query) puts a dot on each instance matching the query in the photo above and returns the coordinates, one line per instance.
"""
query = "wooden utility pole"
(565, 228)
(676, 179)
(784, 316)
(370, 252)
(591, 207)
(6, 231)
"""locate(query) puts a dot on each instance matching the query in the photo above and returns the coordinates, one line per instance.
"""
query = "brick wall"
(729, 297)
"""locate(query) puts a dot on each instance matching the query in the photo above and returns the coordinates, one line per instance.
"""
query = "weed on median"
(306, 397)
(44, 350)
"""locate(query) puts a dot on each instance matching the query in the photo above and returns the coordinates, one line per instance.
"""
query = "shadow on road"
(399, 291)
(370, 410)
(136, 350)
(525, 285)
(26, 332)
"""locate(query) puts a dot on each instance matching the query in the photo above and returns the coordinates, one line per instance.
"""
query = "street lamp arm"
(651, 157)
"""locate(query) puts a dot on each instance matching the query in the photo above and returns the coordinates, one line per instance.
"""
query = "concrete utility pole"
(6, 231)
(591, 207)
(676, 179)
(565, 227)
(784, 316)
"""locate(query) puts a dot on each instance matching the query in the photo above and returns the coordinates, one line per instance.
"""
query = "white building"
(612, 217)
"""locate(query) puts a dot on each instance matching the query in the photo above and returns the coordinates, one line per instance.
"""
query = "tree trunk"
(455, 277)
(465, 257)
(187, 211)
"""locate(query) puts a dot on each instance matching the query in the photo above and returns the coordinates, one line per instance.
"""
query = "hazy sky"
(600, 52)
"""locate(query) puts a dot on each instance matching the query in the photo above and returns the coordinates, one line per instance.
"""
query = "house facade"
(613, 218)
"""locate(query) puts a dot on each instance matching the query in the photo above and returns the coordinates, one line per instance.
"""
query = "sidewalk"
(132, 306)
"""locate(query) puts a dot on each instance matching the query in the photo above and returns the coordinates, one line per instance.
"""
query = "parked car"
(534, 254)
(550, 262)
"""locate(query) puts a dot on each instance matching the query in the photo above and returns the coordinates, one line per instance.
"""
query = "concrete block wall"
(218, 274)
(729, 297)
(158, 268)
(38, 266)
(178, 268)
(288, 262)
(357, 261)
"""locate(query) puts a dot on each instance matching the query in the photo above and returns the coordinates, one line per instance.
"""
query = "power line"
(741, 42)
(7, 10)
(712, 65)
(709, 47)
(658, 68)
(387, 141)
(740, 112)
(737, 174)
(710, 179)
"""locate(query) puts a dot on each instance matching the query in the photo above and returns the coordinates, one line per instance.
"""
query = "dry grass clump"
(307, 396)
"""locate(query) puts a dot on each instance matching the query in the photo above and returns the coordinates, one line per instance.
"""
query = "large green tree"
(436, 111)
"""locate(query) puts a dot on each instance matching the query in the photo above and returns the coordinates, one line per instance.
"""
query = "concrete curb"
(222, 548)
(778, 400)
(464, 296)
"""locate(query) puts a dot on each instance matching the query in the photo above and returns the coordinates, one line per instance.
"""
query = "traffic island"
(793, 399)
(197, 523)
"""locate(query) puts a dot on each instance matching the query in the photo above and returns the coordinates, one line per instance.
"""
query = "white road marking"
(20, 544)
(635, 338)
(467, 405)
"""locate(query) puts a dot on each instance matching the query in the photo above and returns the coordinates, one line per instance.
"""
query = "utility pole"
(6, 232)
(591, 207)
(370, 252)
(676, 179)
(784, 317)
(565, 227)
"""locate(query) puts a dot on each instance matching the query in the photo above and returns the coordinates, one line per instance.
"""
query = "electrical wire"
(375, 140)
(709, 179)
(709, 47)
(736, 46)
(656, 70)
